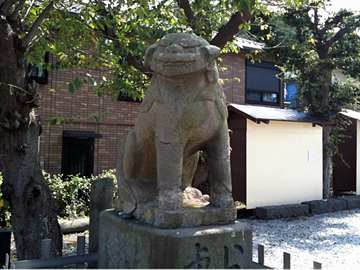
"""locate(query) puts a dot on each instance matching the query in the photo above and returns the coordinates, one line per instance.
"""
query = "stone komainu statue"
(183, 111)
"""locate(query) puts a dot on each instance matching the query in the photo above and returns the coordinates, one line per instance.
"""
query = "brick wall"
(113, 127)
(122, 114)
(234, 65)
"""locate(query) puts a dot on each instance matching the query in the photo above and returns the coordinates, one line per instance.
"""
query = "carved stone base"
(133, 244)
(186, 217)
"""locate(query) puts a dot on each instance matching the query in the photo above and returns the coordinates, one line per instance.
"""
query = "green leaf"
(53, 122)
(70, 87)
(12, 90)
(77, 82)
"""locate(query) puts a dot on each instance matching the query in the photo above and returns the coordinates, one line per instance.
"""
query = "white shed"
(276, 155)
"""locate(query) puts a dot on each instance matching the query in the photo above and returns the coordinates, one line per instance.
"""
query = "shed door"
(237, 125)
(78, 156)
(344, 175)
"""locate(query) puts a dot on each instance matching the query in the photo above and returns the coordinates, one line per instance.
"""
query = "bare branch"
(5, 9)
(37, 24)
(15, 13)
(28, 10)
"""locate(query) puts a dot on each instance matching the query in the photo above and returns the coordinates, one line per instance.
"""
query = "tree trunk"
(33, 211)
(327, 155)
(327, 162)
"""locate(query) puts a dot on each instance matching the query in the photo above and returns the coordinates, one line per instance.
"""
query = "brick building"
(90, 147)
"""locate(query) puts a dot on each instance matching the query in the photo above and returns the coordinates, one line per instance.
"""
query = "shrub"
(72, 196)
(4, 209)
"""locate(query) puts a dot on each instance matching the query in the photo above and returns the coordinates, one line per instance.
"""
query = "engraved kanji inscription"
(238, 251)
(202, 260)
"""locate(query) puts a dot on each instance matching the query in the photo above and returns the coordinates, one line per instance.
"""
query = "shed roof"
(248, 44)
(265, 114)
(352, 114)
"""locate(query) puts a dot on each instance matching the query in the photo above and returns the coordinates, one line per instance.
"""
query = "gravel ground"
(69, 244)
(332, 239)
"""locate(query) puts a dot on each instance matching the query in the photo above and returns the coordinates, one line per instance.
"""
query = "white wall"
(339, 75)
(279, 169)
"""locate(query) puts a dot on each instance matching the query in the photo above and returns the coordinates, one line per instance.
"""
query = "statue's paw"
(170, 199)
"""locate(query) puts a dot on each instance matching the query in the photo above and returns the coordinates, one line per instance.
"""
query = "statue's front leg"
(169, 174)
(220, 176)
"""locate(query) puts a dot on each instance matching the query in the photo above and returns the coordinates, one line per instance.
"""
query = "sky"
(347, 4)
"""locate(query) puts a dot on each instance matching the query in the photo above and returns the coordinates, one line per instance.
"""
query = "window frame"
(263, 65)
(124, 96)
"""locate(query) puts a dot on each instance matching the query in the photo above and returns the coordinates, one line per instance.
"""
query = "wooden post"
(80, 250)
(317, 265)
(7, 261)
(46, 249)
(261, 254)
(101, 198)
(286, 260)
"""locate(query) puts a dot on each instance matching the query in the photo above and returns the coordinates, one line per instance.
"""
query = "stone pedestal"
(133, 244)
(186, 217)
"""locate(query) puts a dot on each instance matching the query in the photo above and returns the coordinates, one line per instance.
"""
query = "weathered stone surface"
(184, 110)
(185, 217)
(281, 211)
(75, 225)
(133, 244)
(352, 201)
(325, 206)
(101, 198)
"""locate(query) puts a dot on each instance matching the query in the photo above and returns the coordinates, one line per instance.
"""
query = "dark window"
(78, 153)
(123, 96)
(38, 73)
(262, 85)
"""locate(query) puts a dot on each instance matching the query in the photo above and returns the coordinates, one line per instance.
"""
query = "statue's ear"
(149, 55)
(210, 53)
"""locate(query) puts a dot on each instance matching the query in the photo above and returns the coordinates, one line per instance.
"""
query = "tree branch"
(109, 31)
(226, 32)
(26, 40)
(133, 61)
(184, 4)
(337, 36)
(5, 9)
(15, 14)
(334, 21)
